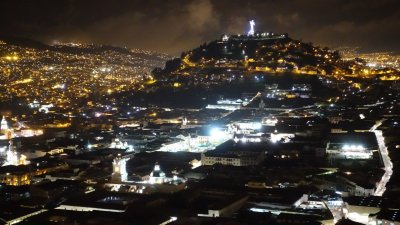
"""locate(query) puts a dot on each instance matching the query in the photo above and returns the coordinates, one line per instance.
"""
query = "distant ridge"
(24, 42)
(89, 48)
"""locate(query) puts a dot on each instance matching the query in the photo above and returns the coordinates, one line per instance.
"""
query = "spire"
(157, 167)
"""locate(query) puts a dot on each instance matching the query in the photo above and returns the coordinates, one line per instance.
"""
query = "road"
(388, 165)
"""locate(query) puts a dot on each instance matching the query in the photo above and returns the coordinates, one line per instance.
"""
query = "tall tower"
(184, 121)
(4, 124)
(119, 170)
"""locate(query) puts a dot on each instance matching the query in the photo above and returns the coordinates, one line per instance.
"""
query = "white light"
(275, 138)
(130, 148)
(216, 133)
(258, 210)
(257, 126)
(362, 116)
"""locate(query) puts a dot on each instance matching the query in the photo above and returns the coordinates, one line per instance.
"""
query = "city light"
(352, 147)
(217, 133)
(249, 126)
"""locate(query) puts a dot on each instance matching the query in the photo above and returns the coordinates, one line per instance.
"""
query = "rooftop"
(370, 201)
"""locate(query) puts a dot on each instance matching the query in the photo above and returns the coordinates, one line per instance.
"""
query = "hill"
(65, 73)
(263, 53)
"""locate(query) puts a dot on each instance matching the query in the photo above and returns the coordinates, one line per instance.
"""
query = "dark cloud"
(176, 25)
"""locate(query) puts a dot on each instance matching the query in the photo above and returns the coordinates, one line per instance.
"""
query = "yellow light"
(11, 57)
(357, 85)
(151, 82)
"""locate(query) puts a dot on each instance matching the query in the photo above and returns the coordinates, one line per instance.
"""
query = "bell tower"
(4, 124)
(119, 169)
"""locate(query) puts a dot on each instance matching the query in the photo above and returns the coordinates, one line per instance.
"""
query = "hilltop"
(262, 53)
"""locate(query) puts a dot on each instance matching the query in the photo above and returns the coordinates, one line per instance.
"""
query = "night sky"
(172, 26)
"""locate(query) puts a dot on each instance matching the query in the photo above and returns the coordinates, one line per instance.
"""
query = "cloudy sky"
(172, 26)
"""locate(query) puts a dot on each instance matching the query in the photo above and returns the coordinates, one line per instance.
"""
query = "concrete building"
(235, 154)
(359, 209)
(351, 146)
(233, 159)
(386, 217)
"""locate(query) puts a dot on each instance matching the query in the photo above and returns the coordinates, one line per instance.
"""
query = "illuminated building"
(157, 176)
(15, 175)
(352, 146)
(228, 104)
(247, 127)
(269, 121)
(117, 143)
(119, 169)
(359, 208)
(29, 132)
(234, 154)
(349, 151)
(224, 159)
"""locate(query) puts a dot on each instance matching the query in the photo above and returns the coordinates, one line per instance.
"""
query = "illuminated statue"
(251, 31)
